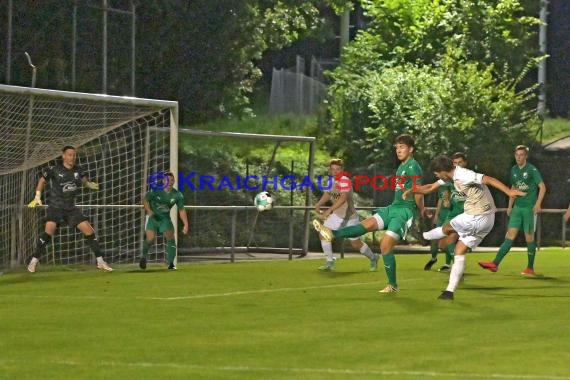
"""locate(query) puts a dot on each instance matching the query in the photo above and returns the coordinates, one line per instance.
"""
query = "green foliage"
(215, 44)
(447, 109)
(498, 33)
(446, 71)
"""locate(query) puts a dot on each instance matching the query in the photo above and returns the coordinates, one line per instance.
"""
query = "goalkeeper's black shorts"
(72, 217)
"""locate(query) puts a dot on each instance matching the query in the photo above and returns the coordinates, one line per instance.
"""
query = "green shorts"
(522, 218)
(397, 220)
(159, 225)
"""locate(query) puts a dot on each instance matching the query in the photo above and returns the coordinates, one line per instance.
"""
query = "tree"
(445, 71)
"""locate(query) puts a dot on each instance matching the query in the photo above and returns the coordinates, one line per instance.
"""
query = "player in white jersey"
(341, 214)
(477, 219)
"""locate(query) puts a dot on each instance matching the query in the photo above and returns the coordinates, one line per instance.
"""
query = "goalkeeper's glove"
(37, 200)
(92, 185)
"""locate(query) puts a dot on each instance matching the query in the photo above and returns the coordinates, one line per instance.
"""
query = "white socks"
(366, 251)
(456, 273)
(435, 234)
(327, 250)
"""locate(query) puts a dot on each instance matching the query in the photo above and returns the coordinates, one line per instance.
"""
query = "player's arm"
(437, 209)
(421, 190)
(146, 205)
(338, 203)
(184, 217)
(511, 202)
(511, 192)
(539, 199)
(182, 213)
(37, 201)
(324, 199)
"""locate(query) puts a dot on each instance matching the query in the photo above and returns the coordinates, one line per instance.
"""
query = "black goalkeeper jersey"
(64, 185)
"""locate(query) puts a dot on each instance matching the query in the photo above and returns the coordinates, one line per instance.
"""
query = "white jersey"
(346, 211)
(478, 198)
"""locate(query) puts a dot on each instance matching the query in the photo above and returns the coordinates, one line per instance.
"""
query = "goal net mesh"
(117, 145)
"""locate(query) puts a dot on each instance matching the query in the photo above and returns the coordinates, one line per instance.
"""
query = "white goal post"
(118, 146)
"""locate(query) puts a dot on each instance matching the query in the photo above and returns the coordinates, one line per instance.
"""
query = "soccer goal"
(117, 144)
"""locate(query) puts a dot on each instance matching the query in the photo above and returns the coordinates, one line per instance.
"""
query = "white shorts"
(472, 229)
(335, 222)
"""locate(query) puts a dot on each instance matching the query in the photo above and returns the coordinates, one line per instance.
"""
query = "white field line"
(292, 370)
(199, 296)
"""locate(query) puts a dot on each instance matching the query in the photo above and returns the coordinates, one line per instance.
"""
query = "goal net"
(117, 144)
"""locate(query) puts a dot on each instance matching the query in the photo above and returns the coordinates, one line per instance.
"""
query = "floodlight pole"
(542, 40)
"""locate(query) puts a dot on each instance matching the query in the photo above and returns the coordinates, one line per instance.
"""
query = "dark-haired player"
(157, 204)
(65, 179)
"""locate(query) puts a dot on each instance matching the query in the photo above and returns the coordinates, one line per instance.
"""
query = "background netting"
(117, 147)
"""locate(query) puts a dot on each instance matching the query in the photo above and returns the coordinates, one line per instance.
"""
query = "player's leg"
(367, 225)
(358, 244)
(449, 249)
(529, 223)
(170, 247)
(365, 250)
(333, 222)
(90, 239)
(43, 240)
(397, 221)
(456, 272)
(515, 223)
(471, 230)
(150, 235)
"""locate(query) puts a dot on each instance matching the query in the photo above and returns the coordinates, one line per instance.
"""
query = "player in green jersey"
(521, 211)
(157, 204)
(397, 218)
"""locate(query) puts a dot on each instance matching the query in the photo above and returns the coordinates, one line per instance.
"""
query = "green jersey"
(161, 201)
(526, 179)
(409, 173)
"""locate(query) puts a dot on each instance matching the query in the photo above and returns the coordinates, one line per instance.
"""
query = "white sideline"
(332, 371)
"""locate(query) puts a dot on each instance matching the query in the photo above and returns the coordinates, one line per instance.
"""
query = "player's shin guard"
(390, 268)
(350, 231)
(43, 240)
(93, 243)
(531, 251)
(170, 251)
(503, 250)
(456, 273)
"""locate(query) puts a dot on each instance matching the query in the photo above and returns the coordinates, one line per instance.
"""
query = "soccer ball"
(263, 201)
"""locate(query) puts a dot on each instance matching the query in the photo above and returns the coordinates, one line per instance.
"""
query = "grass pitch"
(286, 320)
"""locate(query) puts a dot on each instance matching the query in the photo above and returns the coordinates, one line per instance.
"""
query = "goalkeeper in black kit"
(65, 179)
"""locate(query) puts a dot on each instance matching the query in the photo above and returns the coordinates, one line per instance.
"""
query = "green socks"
(449, 253)
(390, 268)
(350, 231)
(170, 251)
(531, 250)
(146, 247)
(503, 250)
(434, 249)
